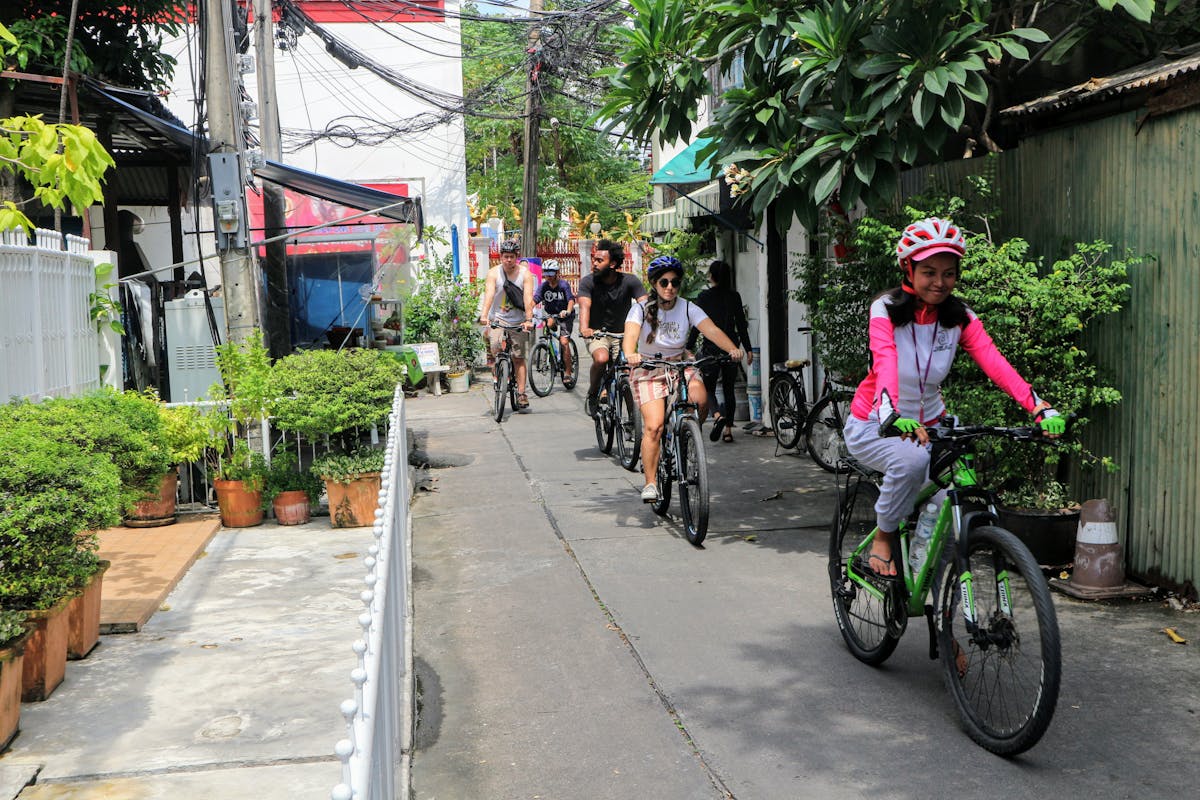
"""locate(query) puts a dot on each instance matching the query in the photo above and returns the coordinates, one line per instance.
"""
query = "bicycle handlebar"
(503, 327)
(956, 433)
(598, 334)
(649, 362)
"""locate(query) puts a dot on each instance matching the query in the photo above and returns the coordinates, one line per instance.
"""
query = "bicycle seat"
(796, 363)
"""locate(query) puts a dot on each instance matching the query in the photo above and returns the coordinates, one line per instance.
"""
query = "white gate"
(48, 344)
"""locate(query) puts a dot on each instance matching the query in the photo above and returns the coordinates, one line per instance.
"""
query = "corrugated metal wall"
(1137, 189)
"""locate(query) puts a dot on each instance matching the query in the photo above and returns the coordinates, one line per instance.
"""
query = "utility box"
(191, 355)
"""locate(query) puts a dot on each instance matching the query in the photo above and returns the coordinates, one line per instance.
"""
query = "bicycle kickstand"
(933, 643)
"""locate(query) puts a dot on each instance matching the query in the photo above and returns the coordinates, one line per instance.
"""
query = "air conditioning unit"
(191, 356)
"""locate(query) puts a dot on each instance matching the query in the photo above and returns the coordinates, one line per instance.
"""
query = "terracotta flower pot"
(11, 660)
(45, 662)
(239, 508)
(83, 616)
(291, 508)
(352, 505)
(156, 509)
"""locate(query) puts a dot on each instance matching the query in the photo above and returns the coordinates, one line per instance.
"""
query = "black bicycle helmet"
(510, 246)
(663, 264)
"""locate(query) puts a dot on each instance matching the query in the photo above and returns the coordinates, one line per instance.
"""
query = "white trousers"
(903, 462)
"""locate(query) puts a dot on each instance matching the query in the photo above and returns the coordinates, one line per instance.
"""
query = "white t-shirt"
(674, 324)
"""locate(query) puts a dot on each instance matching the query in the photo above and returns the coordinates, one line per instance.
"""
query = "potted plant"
(13, 632)
(444, 310)
(352, 483)
(239, 486)
(50, 498)
(291, 491)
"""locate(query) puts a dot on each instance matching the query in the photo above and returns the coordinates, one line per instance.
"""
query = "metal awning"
(660, 221)
(702, 202)
(684, 168)
(384, 204)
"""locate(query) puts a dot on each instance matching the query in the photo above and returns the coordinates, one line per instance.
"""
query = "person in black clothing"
(605, 296)
(724, 307)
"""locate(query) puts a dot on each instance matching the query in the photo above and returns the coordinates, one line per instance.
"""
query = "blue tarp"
(683, 167)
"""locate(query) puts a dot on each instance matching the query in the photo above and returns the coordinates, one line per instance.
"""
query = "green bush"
(445, 310)
(52, 493)
(1036, 315)
(12, 626)
(327, 392)
(284, 475)
(243, 464)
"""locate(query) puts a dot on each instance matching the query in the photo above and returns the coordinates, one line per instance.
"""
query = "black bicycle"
(821, 424)
(991, 620)
(618, 419)
(681, 458)
(546, 361)
(504, 376)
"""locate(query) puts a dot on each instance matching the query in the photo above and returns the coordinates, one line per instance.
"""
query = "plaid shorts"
(651, 385)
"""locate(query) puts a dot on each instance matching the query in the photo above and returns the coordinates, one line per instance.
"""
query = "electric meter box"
(191, 355)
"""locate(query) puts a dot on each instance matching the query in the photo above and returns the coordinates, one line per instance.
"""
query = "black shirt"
(610, 304)
(724, 308)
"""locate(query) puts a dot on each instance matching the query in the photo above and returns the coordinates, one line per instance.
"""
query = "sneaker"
(592, 405)
(649, 493)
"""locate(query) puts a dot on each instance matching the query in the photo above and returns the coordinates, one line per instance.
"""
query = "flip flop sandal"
(727, 436)
(715, 433)
(863, 565)
(522, 402)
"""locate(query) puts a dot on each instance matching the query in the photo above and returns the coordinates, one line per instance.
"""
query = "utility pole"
(227, 174)
(278, 305)
(533, 114)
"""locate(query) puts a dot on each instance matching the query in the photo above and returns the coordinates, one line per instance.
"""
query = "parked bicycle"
(504, 378)
(681, 459)
(820, 424)
(546, 361)
(991, 619)
(618, 418)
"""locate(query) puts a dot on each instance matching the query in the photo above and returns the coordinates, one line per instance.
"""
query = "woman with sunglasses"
(659, 328)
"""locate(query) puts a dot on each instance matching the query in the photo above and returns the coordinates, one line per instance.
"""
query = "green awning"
(683, 167)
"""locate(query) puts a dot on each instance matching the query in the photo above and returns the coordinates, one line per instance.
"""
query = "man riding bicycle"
(605, 296)
(556, 300)
(508, 299)
(660, 328)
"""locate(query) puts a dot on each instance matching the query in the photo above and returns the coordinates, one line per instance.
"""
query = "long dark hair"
(720, 273)
(902, 309)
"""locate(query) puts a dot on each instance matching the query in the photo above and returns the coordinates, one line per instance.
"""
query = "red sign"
(302, 211)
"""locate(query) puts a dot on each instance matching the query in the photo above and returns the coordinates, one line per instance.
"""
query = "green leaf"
(935, 81)
(864, 168)
(1035, 35)
(975, 88)
(1014, 49)
(953, 109)
(922, 107)
(764, 115)
(828, 183)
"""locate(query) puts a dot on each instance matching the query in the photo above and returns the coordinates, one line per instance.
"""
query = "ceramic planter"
(83, 616)
(45, 662)
(352, 505)
(156, 509)
(11, 659)
(291, 508)
(239, 508)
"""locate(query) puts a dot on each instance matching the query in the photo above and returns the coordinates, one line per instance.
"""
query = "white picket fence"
(48, 345)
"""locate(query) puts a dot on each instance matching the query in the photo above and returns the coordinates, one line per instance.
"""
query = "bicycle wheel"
(1007, 692)
(541, 369)
(570, 379)
(693, 482)
(823, 436)
(787, 404)
(629, 428)
(604, 426)
(664, 476)
(501, 376)
(862, 615)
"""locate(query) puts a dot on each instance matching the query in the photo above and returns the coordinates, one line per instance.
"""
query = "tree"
(839, 95)
(580, 167)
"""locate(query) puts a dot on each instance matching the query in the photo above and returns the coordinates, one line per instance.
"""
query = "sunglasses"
(672, 282)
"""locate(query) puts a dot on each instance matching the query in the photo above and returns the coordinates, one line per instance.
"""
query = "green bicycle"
(992, 622)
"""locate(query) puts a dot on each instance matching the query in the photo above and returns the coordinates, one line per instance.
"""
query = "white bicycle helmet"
(550, 265)
(922, 239)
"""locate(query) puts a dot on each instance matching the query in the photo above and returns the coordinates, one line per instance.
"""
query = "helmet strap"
(906, 282)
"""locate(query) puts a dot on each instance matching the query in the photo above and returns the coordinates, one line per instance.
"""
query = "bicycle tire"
(693, 482)
(862, 618)
(541, 369)
(1013, 662)
(786, 404)
(503, 373)
(823, 437)
(629, 428)
(604, 427)
(569, 380)
(663, 477)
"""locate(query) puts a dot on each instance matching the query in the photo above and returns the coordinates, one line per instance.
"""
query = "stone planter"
(83, 617)
(239, 508)
(352, 505)
(11, 660)
(1049, 535)
(156, 509)
(45, 663)
(291, 508)
(459, 382)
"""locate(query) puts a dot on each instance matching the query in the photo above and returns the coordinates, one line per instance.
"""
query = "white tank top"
(501, 309)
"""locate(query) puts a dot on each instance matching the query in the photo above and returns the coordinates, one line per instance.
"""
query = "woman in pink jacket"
(915, 331)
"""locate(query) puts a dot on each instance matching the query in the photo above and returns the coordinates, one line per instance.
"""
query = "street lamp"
(596, 230)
